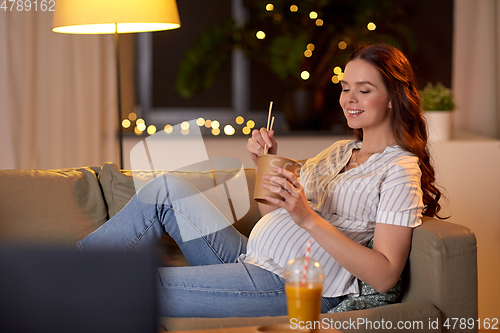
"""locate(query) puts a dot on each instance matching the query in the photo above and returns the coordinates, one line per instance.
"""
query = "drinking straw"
(268, 120)
(306, 261)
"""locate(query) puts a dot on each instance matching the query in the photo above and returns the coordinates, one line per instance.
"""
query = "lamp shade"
(102, 16)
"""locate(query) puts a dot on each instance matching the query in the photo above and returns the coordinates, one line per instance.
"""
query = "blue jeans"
(216, 284)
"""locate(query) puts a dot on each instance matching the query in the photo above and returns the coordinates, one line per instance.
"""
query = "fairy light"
(335, 79)
(371, 26)
(310, 47)
(269, 7)
(151, 129)
(308, 53)
(342, 45)
(168, 129)
(185, 125)
(229, 130)
(250, 124)
(208, 123)
(313, 15)
(319, 22)
(240, 120)
(260, 35)
(246, 130)
(184, 131)
(294, 8)
(200, 121)
(337, 70)
(126, 123)
(132, 116)
(137, 130)
(215, 124)
(141, 127)
(305, 75)
(215, 131)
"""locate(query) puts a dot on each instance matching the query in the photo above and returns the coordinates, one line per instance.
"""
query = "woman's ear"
(390, 104)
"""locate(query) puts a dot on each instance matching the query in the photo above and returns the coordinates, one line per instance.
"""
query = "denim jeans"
(216, 284)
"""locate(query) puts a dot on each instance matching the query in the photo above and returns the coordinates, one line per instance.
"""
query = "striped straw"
(306, 261)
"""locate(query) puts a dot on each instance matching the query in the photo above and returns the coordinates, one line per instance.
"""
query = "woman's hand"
(292, 191)
(257, 142)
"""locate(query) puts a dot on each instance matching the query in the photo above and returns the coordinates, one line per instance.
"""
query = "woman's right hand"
(259, 139)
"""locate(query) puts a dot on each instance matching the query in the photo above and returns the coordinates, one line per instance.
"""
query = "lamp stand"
(118, 91)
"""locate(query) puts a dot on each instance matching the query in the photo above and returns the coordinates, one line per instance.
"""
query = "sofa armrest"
(443, 269)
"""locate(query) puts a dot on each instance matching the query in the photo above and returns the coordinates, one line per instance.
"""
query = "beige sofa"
(63, 206)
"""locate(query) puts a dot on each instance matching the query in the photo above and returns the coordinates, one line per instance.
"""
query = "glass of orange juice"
(303, 293)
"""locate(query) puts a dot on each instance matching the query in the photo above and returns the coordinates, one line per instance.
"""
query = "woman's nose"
(351, 97)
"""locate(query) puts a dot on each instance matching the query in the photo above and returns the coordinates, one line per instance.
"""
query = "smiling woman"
(390, 69)
(341, 202)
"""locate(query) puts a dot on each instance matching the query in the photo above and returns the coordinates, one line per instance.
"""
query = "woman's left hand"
(292, 191)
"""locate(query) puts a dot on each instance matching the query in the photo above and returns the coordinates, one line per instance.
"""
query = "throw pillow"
(368, 297)
(50, 206)
(118, 188)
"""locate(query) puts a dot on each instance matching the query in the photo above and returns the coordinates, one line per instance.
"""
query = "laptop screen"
(63, 290)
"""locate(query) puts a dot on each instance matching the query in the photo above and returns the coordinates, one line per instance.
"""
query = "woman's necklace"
(376, 152)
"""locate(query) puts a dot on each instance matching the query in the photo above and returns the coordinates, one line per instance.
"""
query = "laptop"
(63, 290)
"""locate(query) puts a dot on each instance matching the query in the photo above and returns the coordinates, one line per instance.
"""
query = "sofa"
(62, 206)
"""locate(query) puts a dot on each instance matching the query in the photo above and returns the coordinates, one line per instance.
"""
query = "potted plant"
(304, 47)
(438, 103)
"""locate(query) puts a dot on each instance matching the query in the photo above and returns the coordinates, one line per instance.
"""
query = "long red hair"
(408, 123)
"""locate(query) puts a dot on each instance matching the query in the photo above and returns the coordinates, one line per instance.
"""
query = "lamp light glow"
(100, 16)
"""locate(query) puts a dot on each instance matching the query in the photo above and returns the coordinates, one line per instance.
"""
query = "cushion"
(53, 206)
(118, 188)
(368, 297)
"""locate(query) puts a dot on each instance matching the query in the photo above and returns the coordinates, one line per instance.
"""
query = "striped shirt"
(384, 189)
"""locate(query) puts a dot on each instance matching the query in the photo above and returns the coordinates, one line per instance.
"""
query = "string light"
(337, 70)
(260, 34)
(137, 130)
(250, 124)
(132, 116)
(310, 47)
(168, 129)
(229, 130)
(200, 122)
(185, 125)
(319, 22)
(126, 123)
(371, 26)
(246, 130)
(215, 124)
(294, 8)
(313, 15)
(240, 120)
(151, 129)
(308, 53)
(269, 7)
(305, 75)
(342, 45)
(141, 127)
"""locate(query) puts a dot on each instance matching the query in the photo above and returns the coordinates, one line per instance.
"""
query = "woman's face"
(364, 98)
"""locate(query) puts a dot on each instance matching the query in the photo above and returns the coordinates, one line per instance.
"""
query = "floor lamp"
(115, 17)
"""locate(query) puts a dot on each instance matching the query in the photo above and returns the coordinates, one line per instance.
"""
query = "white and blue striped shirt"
(384, 189)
